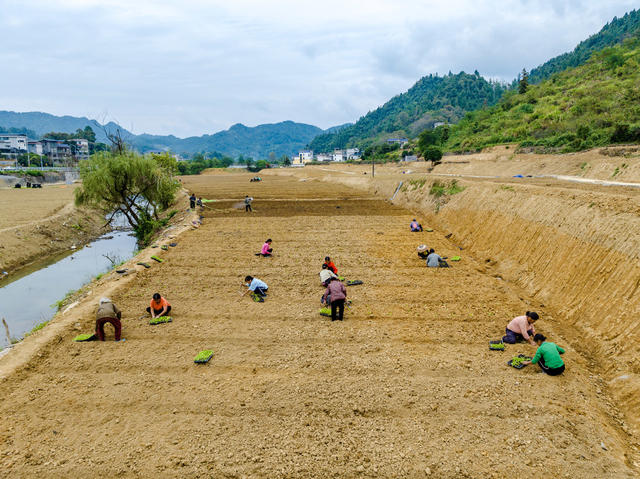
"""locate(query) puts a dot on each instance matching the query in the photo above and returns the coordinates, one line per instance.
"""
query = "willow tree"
(136, 186)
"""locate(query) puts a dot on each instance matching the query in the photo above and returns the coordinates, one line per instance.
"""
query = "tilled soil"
(405, 387)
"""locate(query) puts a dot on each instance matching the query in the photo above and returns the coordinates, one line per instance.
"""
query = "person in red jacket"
(330, 265)
(159, 306)
(336, 293)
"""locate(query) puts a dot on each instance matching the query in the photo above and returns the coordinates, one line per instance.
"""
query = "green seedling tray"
(85, 337)
(455, 258)
(164, 247)
(155, 258)
(516, 361)
(496, 346)
(354, 282)
(203, 356)
(146, 265)
(257, 298)
(325, 312)
(429, 230)
(160, 320)
(341, 278)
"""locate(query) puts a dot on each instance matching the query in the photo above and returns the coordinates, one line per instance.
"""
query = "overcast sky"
(193, 66)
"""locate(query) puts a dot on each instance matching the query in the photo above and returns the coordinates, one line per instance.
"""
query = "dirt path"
(405, 387)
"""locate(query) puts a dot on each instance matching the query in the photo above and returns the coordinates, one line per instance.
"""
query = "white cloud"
(198, 66)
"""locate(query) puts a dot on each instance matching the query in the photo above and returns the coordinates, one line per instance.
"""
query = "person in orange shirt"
(330, 265)
(159, 306)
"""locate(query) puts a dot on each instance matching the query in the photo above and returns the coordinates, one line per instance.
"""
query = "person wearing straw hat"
(423, 251)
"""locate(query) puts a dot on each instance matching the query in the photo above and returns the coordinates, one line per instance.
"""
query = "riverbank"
(42, 222)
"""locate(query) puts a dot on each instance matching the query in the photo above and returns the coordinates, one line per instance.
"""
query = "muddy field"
(404, 387)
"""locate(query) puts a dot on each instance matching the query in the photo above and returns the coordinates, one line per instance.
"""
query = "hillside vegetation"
(613, 33)
(592, 105)
(432, 99)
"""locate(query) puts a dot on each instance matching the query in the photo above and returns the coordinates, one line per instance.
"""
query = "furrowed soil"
(405, 387)
(37, 223)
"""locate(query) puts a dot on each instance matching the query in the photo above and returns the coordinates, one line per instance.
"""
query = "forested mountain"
(611, 34)
(432, 99)
(592, 105)
(284, 138)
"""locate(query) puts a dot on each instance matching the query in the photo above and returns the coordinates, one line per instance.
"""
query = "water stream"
(29, 297)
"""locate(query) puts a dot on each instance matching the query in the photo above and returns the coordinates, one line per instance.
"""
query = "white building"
(304, 157)
(56, 150)
(438, 123)
(338, 155)
(35, 147)
(324, 157)
(81, 148)
(13, 144)
(353, 153)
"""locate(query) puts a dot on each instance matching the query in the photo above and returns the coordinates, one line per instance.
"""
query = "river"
(30, 297)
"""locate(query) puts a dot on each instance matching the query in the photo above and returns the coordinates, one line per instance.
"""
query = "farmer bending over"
(547, 356)
(336, 293)
(255, 286)
(521, 329)
(159, 306)
(108, 313)
(434, 260)
(415, 226)
(423, 251)
(266, 250)
(330, 265)
(326, 274)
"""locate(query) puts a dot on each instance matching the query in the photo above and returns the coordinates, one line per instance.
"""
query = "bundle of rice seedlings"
(84, 337)
(160, 320)
(203, 356)
(155, 258)
(325, 311)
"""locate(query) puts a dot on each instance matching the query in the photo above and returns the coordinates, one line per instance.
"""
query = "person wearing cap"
(547, 356)
(330, 265)
(108, 313)
(521, 329)
(415, 226)
(159, 306)
(326, 274)
(423, 251)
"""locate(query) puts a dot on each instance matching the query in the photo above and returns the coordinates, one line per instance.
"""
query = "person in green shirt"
(547, 356)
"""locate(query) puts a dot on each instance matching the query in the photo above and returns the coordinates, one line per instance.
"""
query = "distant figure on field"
(335, 294)
(415, 226)
(423, 251)
(256, 286)
(521, 329)
(434, 260)
(159, 306)
(108, 313)
(247, 203)
(192, 201)
(326, 274)
(548, 356)
(266, 250)
(330, 265)
(199, 202)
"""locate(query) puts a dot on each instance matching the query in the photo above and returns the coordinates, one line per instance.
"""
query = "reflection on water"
(28, 298)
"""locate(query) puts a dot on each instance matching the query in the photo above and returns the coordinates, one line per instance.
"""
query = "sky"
(192, 67)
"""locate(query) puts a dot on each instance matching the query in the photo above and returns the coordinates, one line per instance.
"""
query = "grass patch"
(59, 304)
(417, 183)
(441, 188)
(37, 327)
(507, 188)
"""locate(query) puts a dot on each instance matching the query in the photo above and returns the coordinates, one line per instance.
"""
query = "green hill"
(595, 104)
(613, 33)
(432, 99)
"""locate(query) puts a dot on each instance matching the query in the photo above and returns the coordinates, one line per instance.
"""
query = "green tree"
(426, 139)
(129, 183)
(166, 161)
(285, 160)
(433, 154)
(523, 84)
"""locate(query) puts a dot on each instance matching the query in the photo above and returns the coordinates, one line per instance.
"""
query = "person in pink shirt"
(521, 329)
(266, 248)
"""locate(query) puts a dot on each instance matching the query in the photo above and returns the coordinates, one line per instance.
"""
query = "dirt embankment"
(572, 247)
(37, 223)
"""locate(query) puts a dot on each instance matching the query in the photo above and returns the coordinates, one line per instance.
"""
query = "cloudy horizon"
(201, 66)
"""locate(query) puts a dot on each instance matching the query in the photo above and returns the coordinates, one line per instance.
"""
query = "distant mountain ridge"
(283, 138)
